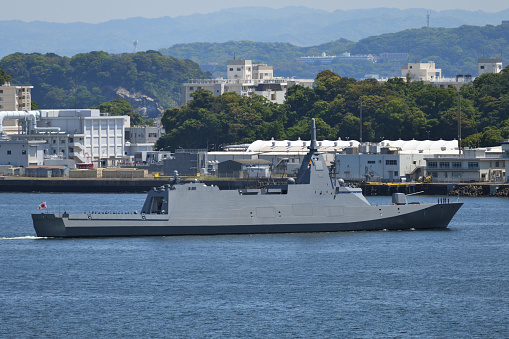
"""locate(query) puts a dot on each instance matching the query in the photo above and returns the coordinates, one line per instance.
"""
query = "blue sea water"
(442, 284)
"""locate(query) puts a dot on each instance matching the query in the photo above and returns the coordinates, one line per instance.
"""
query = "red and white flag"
(43, 205)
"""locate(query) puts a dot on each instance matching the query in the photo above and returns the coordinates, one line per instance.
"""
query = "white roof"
(422, 145)
(297, 145)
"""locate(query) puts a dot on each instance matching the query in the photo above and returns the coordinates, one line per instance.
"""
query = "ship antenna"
(312, 146)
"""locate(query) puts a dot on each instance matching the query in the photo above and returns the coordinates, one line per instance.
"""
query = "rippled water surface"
(446, 283)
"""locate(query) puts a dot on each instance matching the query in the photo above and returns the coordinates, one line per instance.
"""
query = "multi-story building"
(140, 141)
(83, 136)
(423, 71)
(473, 165)
(245, 79)
(489, 65)
(15, 97)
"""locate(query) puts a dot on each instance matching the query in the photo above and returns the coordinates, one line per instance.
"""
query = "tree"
(4, 76)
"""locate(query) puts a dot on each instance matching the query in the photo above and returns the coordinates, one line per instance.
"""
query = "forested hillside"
(391, 110)
(454, 50)
(147, 79)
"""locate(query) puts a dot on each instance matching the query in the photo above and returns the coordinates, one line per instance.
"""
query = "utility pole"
(360, 127)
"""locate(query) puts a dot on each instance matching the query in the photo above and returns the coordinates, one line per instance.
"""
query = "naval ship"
(315, 201)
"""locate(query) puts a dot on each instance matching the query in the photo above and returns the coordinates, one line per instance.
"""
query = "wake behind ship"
(314, 202)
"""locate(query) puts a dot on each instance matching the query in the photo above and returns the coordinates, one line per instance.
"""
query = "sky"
(94, 11)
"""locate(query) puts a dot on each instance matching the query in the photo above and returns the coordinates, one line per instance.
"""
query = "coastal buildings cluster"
(245, 78)
(87, 138)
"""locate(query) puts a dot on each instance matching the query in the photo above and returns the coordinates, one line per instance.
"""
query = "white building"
(505, 156)
(21, 153)
(489, 65)
(421, 71)
(86, 136)
(473, 165)
(398, 160)
(245, 79)
(139, 144)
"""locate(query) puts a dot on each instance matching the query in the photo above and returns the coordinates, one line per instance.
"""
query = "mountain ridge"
(252, 23)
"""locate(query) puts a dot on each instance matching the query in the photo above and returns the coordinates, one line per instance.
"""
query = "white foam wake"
(27, 237)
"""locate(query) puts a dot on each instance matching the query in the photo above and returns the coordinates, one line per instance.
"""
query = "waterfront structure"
(489, 65)
(244, 168)
(421, 71)
(390, 160)
(139, 144)
(186, 162)
(21, 153)
(245, 79)
(505, 156)
(85, 136)
(473, 165)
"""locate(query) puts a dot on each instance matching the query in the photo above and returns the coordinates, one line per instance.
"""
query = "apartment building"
(15, 97)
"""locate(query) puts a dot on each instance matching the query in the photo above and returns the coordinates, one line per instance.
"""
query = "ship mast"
(312, 145)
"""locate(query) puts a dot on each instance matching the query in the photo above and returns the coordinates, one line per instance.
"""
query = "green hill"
(146, 79)
(454, 50)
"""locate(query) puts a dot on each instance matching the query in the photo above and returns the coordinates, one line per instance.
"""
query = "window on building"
(54, 151)
(54, 141)
(1, 106)
(231, 69)
(444, 164)
(432, 164)
(473, 164)
(1, 99)
(391, 162)
(62, 141)
(8, 152)
(24, 151)
(396, 173)
(456, 164)
(191, 88)
(1, 91)
(497, 164)
(371, 162)
(239, 69)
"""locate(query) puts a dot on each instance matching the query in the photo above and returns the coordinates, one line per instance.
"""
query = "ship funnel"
(312, 146)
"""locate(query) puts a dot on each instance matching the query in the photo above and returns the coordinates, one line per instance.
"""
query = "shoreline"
(143, 185)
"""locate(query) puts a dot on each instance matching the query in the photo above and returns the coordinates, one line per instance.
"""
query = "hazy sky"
(94, 11)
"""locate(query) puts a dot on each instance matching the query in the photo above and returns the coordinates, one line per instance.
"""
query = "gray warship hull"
(314, 202)
(56, 225)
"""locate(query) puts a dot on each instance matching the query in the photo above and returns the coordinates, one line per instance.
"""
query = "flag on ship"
(43, 205)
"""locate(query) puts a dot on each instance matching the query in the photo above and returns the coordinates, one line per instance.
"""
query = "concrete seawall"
(103, 185)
